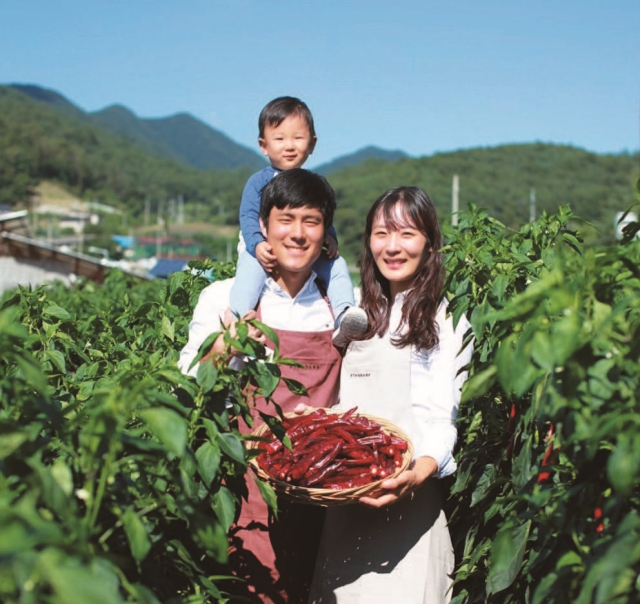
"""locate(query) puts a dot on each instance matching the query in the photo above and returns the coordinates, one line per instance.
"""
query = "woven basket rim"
(330, 497)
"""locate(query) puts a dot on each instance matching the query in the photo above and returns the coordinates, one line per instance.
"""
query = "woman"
(407, 369)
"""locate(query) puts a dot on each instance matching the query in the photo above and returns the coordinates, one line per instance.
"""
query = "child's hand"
(264, 255)
(331, 243)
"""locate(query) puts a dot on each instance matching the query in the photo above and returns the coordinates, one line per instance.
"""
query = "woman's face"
(399, 249)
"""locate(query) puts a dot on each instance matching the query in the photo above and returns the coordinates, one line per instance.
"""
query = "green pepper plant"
(120, 476)
(544, 507)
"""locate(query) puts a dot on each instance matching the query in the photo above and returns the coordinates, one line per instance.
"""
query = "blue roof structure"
(124, 241)
(167, 266)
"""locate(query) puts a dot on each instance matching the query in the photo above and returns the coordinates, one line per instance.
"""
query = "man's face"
(296, 236)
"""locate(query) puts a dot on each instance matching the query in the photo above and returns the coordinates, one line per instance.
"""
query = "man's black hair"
(298, 188)
(276, 111)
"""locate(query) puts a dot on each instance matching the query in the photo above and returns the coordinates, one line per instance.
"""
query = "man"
(297, 206)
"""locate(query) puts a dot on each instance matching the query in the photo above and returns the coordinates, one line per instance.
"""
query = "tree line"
(42, 142)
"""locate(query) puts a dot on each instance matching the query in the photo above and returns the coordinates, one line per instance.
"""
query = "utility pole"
(181, 209)
(34, 216)
(159, 229)
(532, 205)
(147, 211)
(454, 200)
(172, 211)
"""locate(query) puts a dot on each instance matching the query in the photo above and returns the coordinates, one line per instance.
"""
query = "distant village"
(51, 243)
(55, 240)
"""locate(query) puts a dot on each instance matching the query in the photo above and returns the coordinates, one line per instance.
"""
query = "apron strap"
(323, 292)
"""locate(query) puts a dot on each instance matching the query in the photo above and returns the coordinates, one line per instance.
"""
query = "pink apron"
(276, 558)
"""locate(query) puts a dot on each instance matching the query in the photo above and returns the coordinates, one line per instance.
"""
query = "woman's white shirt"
(436, 383)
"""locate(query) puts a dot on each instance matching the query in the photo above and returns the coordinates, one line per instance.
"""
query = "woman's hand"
(402, 485)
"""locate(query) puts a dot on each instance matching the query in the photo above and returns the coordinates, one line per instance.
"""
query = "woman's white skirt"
(401, 554)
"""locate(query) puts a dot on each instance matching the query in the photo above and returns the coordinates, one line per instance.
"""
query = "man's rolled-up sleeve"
(207, 319)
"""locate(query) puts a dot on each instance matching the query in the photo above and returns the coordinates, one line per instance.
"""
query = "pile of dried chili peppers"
(332, 451)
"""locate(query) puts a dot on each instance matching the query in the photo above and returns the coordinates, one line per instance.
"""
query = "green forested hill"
(122, 122)
(499, 179)
(39, 141)
(49, 97)
(180, 137)
(353, 159)
(48, 141)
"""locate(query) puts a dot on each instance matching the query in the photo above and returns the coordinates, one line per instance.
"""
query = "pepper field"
(120, 477)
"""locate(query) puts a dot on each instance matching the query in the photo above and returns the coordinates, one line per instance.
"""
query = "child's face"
(288, 145)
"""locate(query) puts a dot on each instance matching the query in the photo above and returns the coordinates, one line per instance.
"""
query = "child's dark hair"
(276, 111)
(298, 188)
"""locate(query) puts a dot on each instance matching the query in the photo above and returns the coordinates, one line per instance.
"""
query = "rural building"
(28, 261)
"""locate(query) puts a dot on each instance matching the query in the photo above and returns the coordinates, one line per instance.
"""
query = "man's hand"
(405, 483)
(254, 333)
(264, 255)
(331, 245)
(230, 322)
(301, 408)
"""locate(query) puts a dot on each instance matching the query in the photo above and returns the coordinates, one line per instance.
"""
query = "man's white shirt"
(308, 311)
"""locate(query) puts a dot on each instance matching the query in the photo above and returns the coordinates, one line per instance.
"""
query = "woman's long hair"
(417, 326)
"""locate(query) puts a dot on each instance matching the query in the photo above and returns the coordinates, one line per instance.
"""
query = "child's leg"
(335, 275)
(247, 288)
(351, 321)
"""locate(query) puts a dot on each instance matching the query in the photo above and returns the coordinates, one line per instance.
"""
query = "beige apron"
(402, 553)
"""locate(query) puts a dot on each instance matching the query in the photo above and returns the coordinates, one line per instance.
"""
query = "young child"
(287, 137)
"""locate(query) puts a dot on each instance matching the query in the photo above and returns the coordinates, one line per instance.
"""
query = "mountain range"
(140, 165)
(184, 138)
(179, 137)
(364, 154)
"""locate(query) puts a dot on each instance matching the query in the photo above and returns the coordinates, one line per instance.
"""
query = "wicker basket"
(329, 497)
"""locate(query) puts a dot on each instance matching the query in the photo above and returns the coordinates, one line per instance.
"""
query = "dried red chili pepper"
(357, 451)
(332, 451)
(381, 438)
(327, 471)
(303, 465)
(360, 461)
(325, 461)
(308, 440)
(344, 434)
(398, 443)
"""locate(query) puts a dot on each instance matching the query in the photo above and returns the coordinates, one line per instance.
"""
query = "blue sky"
(415, 75)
